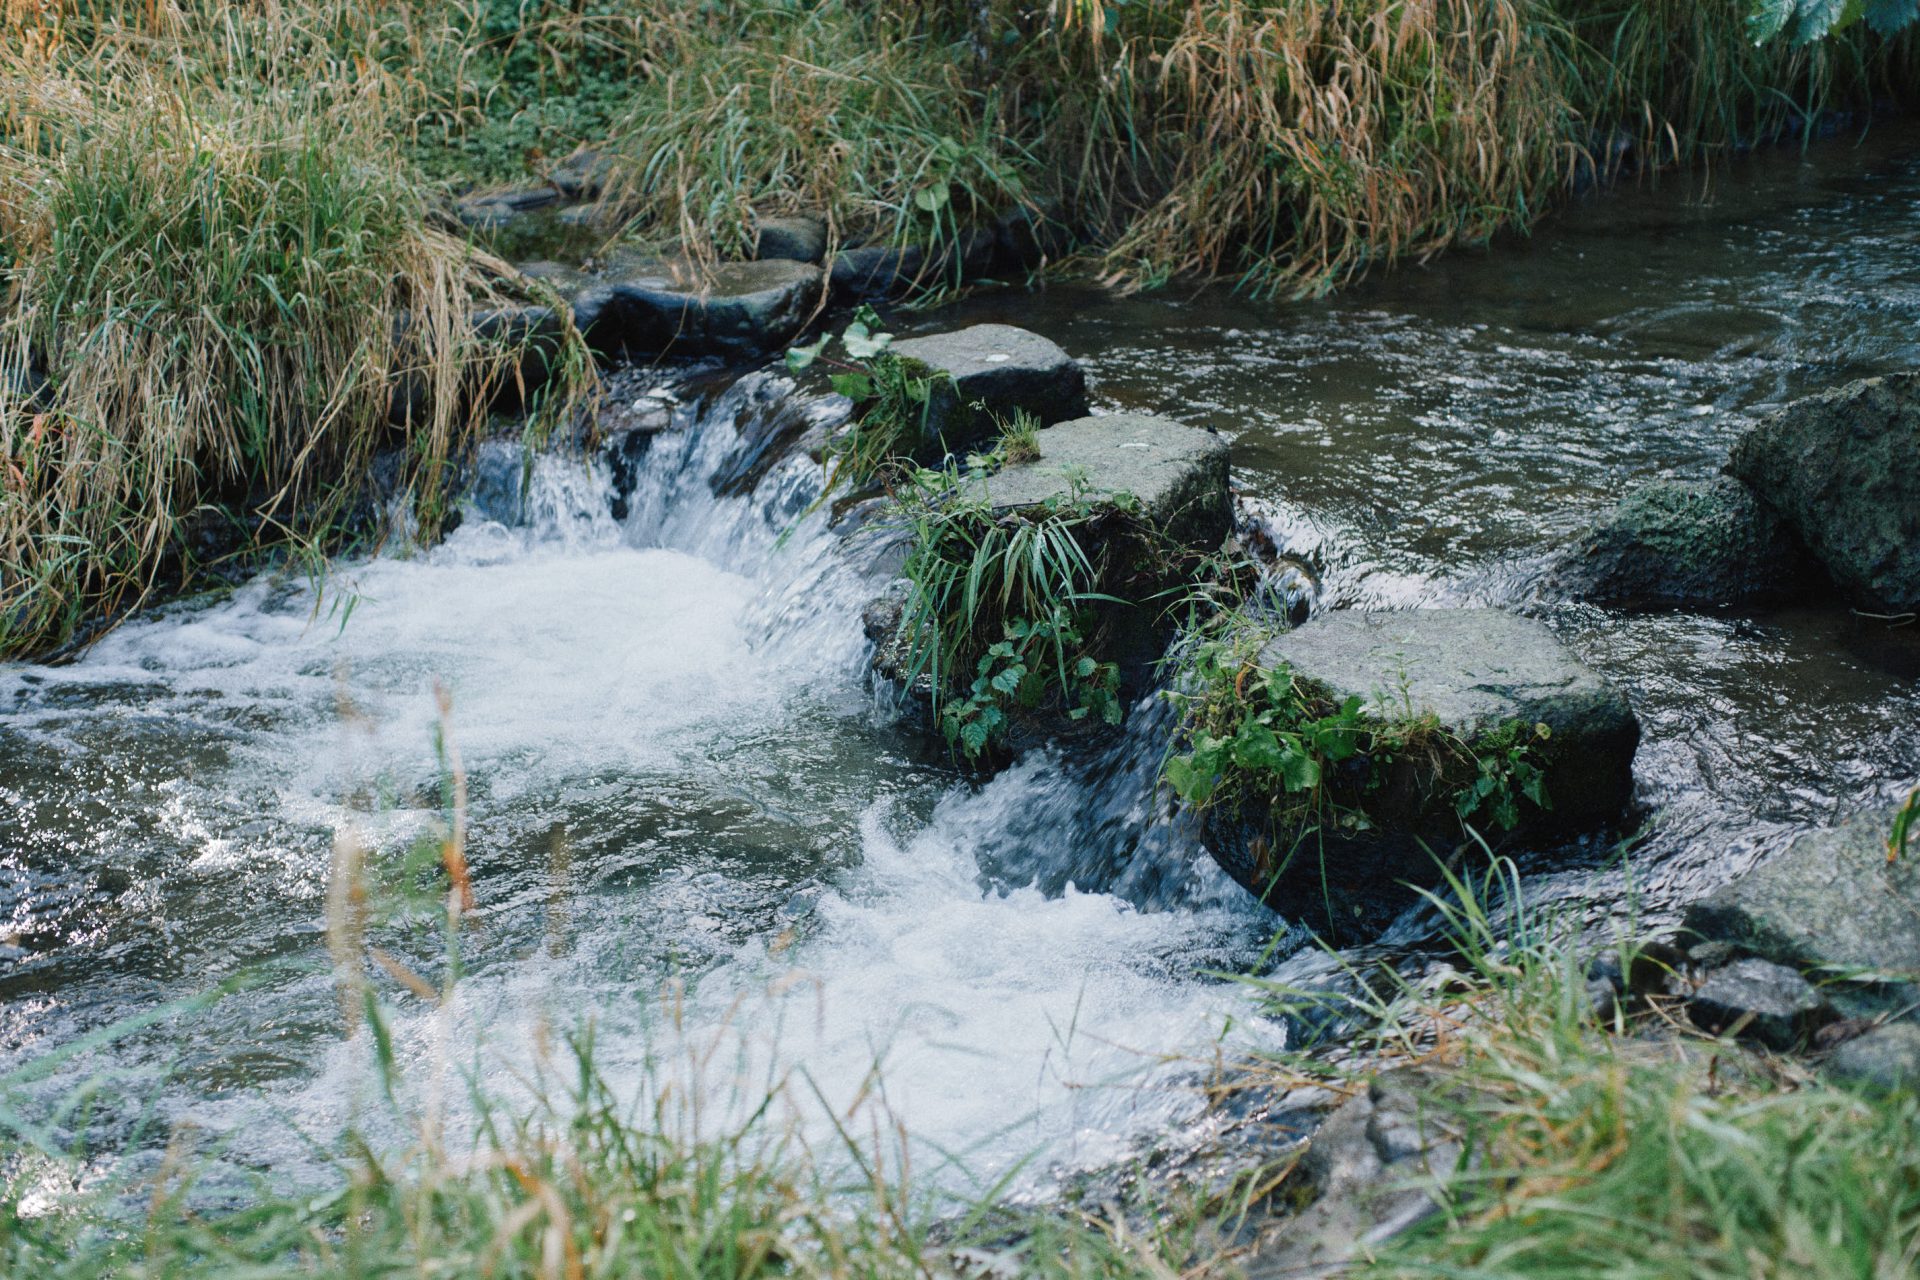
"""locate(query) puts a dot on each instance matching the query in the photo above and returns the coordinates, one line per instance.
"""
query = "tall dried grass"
(225, 296)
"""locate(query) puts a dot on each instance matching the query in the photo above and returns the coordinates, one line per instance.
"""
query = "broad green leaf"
(799, 358)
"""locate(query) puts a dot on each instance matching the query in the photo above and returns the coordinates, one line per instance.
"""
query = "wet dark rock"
(1000, 369)
(876, 270)
(581, 175)
(797, 238)
(1687, 544)
(1028, 238)
(493, 209)
(1376, 1167)
(739, 308)
(1762, 1001)
(1474, 671)
(1886, 1057)
(1830, 898)
(1843, 468)
(1178, 473)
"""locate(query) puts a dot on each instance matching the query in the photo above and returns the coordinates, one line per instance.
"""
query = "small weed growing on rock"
(1020, 438)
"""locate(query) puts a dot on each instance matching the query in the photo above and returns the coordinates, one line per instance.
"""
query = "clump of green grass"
(865, 116)
(1002, 610)
(222, 302)
(1613, 1141)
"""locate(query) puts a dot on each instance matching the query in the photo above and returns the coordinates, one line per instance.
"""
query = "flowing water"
(693, 825)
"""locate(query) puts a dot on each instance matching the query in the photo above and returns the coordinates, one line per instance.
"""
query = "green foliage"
(1253, 738)
(1015, 674)
(1903, 824)
(892, 400)
(1009, 601)
(1811, 20)
(871, 116)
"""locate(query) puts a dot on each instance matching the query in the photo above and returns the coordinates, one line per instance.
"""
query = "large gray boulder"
(735, 308)
(990, 371)
(1478, 673)
(1843, 468)
(1687, 544)
(1178, 473)
(1830, 899)
(1887, 1057)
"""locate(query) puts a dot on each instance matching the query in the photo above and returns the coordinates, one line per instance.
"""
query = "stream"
(694, 826)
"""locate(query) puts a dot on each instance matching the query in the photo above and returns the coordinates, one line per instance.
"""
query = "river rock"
(991, 371)
(1762, 1001)
(796, 239)
(1474, 670)
(1687, 544)
(1829, 899)
(492, 209)
(1843, 468)
(737, 308)
(1376, 1167)
(1887, 1057)
(876, 270)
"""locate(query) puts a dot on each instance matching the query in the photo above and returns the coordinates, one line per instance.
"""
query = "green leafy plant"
(1014, 674)
(1004, 609)
(1903, 824)
(1810, 20)
(892, 397)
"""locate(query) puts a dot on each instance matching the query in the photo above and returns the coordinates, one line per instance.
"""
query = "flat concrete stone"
(1476, 669)
(1178, 473)
(1885, 1058)
(1000, 369)
(1761, 1001)
(739, 308)
(1830, 898)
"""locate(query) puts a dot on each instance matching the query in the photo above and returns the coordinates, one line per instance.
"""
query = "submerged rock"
(737, 308)
(992, 371)
(493, 209)
(1477, 673)
(1829, 899)
(1687, 544)
(1843, 468)
(1762, 1001)
(1178, 473)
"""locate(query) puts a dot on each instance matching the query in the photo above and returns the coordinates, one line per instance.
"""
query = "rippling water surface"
(693, 827)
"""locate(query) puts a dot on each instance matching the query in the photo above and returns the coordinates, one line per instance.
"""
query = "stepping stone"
(1000, 369)
(739, 308)
(1178, 473)
(1474, 671)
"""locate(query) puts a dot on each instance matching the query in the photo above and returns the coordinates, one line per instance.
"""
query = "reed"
(225, 295)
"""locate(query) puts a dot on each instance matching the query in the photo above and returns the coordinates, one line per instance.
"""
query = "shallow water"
(692, 825)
